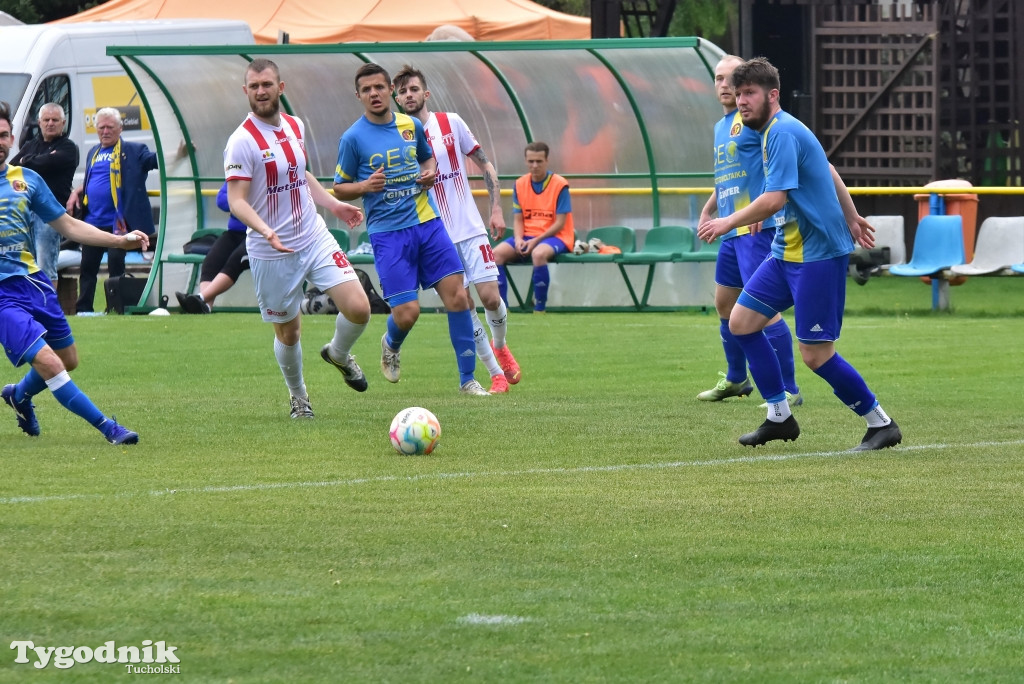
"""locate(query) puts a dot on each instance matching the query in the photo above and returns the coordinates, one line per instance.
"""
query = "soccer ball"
(316, 302)
(415, 430)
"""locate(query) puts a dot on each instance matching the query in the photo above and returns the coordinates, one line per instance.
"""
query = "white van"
(68, 64)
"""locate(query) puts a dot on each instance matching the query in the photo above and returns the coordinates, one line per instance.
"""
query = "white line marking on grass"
(501, 620)
(55, 497)
(615, 468)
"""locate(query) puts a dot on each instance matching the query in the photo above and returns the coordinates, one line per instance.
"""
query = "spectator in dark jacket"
(53, 156)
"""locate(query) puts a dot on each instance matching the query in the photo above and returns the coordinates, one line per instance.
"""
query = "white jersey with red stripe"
(273, 160)
(452, 142)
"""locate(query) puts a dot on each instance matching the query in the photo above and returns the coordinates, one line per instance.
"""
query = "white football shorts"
(279, 281)
(477, 259)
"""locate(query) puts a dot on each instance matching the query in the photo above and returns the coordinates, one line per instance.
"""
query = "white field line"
(496, 620)
(623, 467)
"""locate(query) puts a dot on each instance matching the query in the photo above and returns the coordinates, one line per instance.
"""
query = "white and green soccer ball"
(415, 430)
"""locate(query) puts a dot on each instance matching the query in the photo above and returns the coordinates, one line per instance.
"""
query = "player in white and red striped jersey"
(453, 142)
(272, 192)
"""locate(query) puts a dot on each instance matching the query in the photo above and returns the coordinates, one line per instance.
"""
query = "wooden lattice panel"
(876, 87)
(981, 102)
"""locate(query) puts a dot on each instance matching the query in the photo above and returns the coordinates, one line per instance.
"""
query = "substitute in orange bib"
(542, 224)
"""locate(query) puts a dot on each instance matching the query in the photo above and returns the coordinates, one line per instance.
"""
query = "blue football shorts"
(816, 290)
(739, 257)
(412, 258)
(30, 312)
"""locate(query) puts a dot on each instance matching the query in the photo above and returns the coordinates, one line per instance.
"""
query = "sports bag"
(122, 291)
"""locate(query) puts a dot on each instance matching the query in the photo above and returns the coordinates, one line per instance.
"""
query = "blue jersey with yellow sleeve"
(22, 193)
(398, 146)
(794, 161)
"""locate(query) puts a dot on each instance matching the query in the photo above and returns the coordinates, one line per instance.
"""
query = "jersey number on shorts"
(340, 260)
(487, 253)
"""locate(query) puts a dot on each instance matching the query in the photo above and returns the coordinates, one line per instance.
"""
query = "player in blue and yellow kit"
(807, 268)
(739, 178)
(385, 158)
(33, 328)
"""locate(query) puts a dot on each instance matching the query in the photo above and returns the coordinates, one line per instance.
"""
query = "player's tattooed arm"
(493, 185)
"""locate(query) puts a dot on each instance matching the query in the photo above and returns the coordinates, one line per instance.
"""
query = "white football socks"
(483, 346)
(779, 411)
(345, 335)
(497, 320)
(876, 417)
(290, 361)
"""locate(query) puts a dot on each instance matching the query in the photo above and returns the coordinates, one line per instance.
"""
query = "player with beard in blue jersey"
(807, 268)
(385, 158)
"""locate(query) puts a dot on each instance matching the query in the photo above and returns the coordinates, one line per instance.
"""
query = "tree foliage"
(711, 19)
(580, 8)
(40, 11)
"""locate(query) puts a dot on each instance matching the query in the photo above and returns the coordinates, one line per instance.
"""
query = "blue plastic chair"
(938, 245)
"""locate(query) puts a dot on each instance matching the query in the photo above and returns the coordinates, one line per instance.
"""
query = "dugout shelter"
(629, 124)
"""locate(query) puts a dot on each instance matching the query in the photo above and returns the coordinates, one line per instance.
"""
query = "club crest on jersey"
(736, 129)
(19, 185)
(268, 156)
(408, 134)
(448, 140)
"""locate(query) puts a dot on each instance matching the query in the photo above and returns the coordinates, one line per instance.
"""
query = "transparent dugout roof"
(629, 121)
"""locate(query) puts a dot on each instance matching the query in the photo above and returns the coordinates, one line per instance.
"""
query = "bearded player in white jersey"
(451, 141)
(271, 191)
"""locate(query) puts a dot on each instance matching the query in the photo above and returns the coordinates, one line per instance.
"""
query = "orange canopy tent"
(329, 21)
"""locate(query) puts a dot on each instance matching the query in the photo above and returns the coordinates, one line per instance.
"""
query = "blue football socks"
(73, 399)
(781, 339)
(847, 384)
(764, 365)
(541, 277)
(735, 359)
(395, 336)
(460, 328)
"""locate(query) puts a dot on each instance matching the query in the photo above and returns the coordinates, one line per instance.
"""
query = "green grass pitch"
(597, 524)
